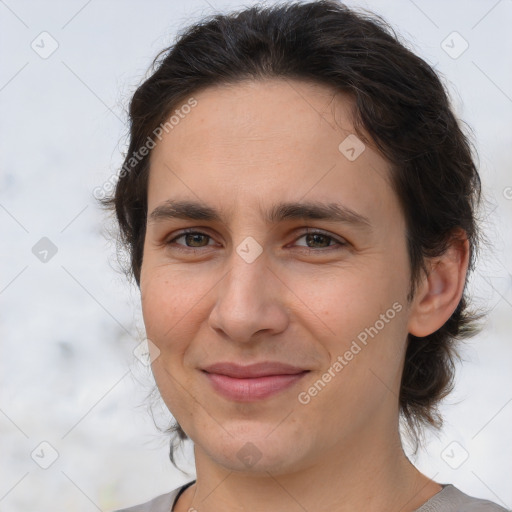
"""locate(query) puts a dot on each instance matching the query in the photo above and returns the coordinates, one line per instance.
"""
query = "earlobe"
(440, 291)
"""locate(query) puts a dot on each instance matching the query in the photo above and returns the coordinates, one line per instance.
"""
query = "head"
(248, 123)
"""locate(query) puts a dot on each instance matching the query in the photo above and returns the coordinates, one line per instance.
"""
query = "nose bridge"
(248, 260)
(247, 300)
(246, 280)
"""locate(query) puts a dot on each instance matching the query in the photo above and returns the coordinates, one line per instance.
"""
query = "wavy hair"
(399, 102)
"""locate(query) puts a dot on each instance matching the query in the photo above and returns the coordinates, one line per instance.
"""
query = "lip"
(262, 369)
(253, 382)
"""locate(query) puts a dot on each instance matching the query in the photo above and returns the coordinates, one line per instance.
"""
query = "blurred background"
(76, 433)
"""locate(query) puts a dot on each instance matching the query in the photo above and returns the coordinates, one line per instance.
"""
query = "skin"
(243, 148)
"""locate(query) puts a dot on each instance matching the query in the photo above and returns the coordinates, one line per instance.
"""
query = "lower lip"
(251, 390)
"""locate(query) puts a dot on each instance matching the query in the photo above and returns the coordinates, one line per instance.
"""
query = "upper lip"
(253, 370)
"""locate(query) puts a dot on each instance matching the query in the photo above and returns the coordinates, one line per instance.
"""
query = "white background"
(68, 326)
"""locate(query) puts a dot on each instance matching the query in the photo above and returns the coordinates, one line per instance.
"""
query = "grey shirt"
(449, 499)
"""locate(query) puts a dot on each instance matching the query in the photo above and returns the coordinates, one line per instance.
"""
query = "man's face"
(245, 290)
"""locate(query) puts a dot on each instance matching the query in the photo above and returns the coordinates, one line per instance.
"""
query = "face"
(256, 282)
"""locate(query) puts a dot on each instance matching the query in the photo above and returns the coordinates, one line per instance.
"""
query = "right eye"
(190, 237)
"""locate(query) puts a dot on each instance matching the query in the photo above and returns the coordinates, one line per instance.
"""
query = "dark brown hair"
(400, 106)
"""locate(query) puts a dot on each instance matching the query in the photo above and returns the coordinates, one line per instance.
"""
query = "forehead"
(257, 115)
(251, 141)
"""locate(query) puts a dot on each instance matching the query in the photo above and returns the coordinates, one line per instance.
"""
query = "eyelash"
(183, 233)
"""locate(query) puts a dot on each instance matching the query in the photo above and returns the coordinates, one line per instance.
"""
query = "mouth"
(254, 382)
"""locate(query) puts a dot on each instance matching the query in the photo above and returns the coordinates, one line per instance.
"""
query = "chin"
(253, 448)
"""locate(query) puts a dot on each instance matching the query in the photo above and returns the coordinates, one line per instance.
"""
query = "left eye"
(317, 237)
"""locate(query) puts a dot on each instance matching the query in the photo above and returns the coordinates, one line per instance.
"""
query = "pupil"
(192, 236)
(316, 236)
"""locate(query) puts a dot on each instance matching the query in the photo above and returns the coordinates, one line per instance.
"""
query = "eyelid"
(186, 231)
(315, 231)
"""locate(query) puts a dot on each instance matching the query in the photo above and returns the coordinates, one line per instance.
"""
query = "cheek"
(168, 313)
(342, 302)
(360, 317)
(169, 301)
(173, 307)
(159, 307)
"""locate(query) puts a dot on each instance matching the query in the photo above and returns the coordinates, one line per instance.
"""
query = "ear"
(440, 291)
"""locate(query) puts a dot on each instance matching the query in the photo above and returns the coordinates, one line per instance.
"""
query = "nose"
(249, 301)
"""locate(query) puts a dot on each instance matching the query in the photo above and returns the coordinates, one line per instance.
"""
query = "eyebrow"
(331, 212)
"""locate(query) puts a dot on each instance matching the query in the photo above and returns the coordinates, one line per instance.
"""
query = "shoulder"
(162, 503)
(451, 499)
